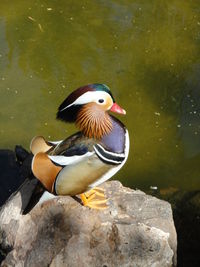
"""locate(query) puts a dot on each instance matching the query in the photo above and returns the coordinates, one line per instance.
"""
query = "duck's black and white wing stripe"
(108, 156)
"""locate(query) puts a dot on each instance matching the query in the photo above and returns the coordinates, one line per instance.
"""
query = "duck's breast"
(115, 140)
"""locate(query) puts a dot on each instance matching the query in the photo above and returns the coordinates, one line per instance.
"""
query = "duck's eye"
(101, 101)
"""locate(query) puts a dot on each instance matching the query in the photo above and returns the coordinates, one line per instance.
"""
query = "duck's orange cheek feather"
(45, 170)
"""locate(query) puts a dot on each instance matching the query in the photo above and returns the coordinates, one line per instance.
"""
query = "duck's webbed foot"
(94, 199)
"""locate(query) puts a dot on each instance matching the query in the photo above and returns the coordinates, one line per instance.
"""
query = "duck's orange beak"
(116, 108)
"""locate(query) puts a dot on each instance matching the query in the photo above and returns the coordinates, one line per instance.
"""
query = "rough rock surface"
(136, 230)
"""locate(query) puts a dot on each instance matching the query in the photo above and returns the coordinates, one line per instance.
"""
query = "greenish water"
(147, 52)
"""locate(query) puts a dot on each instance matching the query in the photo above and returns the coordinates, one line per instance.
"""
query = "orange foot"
(94, 199)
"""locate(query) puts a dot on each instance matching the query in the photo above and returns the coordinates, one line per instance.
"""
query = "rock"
(136, 230)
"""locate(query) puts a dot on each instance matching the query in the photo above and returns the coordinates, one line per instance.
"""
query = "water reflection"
(147, 52)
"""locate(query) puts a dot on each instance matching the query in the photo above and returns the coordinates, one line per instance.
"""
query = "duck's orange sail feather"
(45, 170)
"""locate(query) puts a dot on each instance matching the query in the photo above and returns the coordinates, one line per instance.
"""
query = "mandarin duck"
(81, 162)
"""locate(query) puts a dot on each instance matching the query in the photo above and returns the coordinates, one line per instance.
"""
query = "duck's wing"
(47, 166)
(39, 144)
(72, 155)
(75, 144)
(71, 150)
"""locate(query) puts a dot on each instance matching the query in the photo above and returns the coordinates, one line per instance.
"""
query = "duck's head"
(88, 107)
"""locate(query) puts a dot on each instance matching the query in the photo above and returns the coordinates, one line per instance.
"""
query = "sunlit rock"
(136, 230)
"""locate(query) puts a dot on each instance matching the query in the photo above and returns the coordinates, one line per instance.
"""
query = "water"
(147, 52)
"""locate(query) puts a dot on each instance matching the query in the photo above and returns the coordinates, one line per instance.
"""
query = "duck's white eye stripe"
(91, 96)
